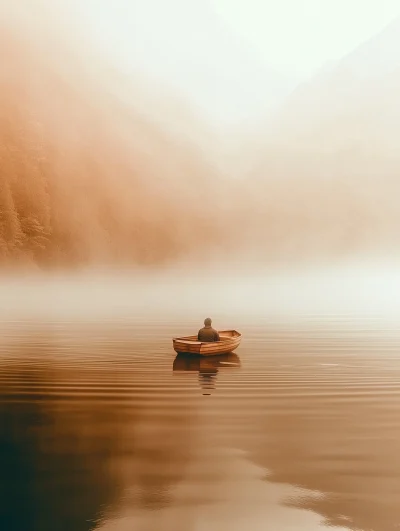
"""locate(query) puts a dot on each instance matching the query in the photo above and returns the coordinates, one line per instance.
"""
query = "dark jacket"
(208, 334)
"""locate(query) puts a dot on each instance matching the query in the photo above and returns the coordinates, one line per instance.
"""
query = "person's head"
(207, 322)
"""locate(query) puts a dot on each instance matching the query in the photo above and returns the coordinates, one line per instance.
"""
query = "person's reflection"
(206, 367)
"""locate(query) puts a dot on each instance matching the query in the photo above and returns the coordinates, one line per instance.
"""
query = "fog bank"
(101, 168)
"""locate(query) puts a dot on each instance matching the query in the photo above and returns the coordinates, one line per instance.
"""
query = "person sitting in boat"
(207, 334)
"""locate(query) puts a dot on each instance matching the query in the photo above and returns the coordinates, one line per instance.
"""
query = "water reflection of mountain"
(52, 474)
(207, 367)
(71, 434)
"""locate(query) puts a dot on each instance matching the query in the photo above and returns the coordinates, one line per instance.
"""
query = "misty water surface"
(103, 427)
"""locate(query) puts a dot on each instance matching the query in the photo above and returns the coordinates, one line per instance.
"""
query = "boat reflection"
(207, 367)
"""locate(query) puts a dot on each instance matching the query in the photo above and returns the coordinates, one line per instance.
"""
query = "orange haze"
(90, 174)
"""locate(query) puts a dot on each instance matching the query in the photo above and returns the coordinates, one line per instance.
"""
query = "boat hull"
(229, 341)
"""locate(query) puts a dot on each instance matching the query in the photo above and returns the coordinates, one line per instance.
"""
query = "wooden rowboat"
(229, 341)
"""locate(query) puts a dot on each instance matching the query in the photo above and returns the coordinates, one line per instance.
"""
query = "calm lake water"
(103, 427)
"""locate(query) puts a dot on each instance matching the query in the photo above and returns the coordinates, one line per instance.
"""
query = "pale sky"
(302, 35)
(293, 36)
(233, 58)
